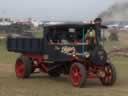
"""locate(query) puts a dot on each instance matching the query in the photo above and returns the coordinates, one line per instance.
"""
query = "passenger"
(90, 38)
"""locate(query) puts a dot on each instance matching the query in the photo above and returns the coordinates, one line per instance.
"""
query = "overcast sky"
(54, 9)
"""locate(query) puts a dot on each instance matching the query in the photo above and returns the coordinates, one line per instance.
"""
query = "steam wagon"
(66, 48)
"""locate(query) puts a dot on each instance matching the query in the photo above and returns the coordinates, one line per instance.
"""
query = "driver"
(90, 38)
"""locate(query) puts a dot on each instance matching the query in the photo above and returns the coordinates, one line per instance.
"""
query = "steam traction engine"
(67, 48)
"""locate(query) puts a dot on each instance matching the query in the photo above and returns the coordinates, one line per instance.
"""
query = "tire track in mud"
(118, 52)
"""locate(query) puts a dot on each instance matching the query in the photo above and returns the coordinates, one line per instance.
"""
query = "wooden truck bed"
(25, 45)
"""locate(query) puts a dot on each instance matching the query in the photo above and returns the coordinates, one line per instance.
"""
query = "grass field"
(42, 85)
(6, 57)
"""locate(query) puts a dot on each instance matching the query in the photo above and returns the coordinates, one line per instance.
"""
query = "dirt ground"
(42, 85)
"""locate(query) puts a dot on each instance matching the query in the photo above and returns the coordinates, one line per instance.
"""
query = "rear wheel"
(23, 67)
(78, 75)
(110, 75)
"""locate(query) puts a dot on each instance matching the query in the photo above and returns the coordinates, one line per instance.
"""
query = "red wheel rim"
(20, 69)
(108, 74)
(75, 75)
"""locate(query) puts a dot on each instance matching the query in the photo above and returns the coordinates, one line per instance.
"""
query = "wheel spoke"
(79, 76)
(73, 72)
(76, 69)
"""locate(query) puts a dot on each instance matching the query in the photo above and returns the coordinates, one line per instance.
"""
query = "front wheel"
(78, 75)
(109, 75)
